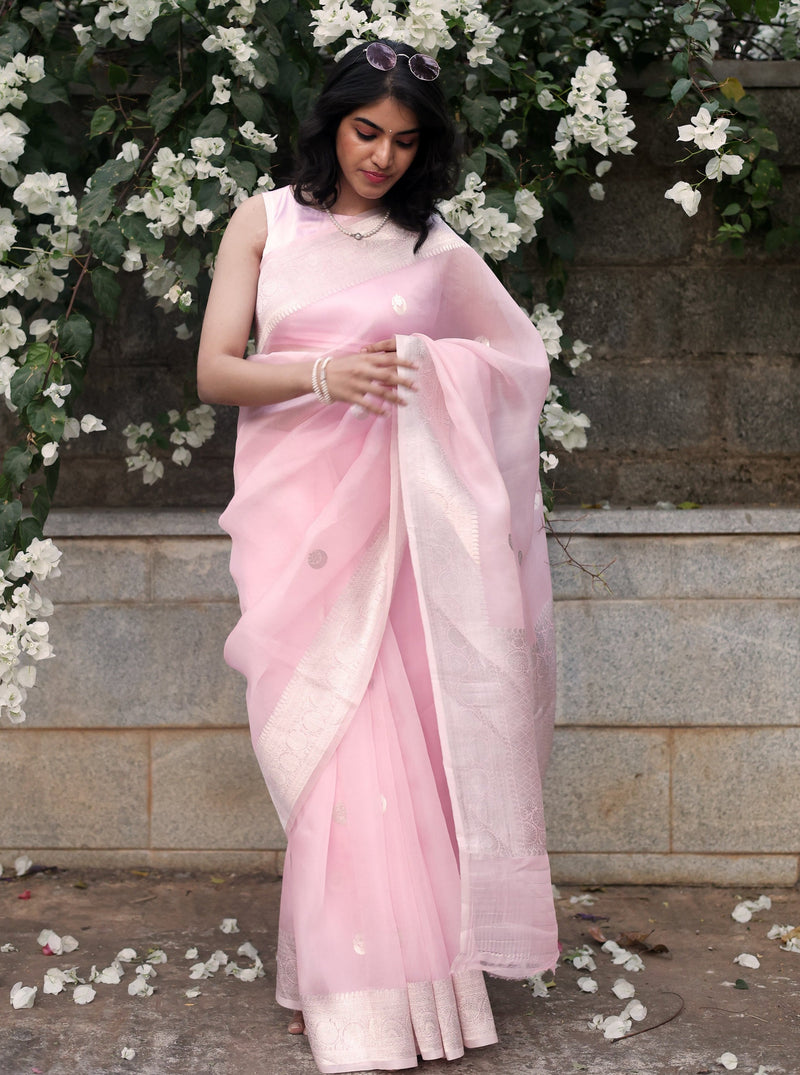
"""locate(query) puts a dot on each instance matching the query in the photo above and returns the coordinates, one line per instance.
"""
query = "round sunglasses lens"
(381, 56)
(424, 67)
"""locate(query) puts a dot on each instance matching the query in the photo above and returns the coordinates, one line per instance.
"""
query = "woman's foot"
(297, 1024)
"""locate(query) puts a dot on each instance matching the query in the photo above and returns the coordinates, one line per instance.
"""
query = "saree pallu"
(396, 636)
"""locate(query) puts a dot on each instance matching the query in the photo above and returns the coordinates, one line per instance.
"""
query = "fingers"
(370, 380)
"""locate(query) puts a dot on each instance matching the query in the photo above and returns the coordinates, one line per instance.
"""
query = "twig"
(655, 1026)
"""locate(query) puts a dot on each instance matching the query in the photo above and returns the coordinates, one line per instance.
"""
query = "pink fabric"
(397, 642)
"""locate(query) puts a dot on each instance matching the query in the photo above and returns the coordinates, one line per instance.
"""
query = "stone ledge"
(754, 871)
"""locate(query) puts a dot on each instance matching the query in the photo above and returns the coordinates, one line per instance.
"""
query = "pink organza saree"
(396, 636)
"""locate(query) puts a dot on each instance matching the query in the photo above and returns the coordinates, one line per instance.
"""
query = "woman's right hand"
(370, 378)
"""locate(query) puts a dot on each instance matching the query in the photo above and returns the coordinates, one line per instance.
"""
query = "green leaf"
(740, 983)
(740, 7)
(680, 89)
(698, 31)
(732, 209)
(767, 175)
(135, 230)
(243, 172)
(97, 203)
(44, 18)
(249, 104)
(766, 10)
(46, 418)
(212, 124)
(106, 291)
(40, 507)
(75, 336)
(17, 464)
(117, 76)
(47, 91)
(482, 112)
(164, 103)
(29, 529)
(103, 120)
(26, 383)
(13, 39)
(10, 515)
(500, 154)
(766, 138)
(108, 243)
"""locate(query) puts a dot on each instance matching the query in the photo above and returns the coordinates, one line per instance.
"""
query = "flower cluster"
(425, 25)
(599, 118)
(491, 230)
(707, 133)
(190, 429)
(24, 629)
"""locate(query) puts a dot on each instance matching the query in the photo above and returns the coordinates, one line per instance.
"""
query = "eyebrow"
(369, 123)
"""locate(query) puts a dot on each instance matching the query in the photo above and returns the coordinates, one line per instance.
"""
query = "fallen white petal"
(22, 865)
(145, 970)
(586, 899)
(583, 962)
(48, 939)
(157, 956)
(111, 975)
(249, 974)
(191, 953)
(192, 993)
(746, 960)
(741, 913)
(83, 994)
(778, 931)
(68, 944)
(634, 1009)
(537, 986)
(247, 949)
(54, 981)
(127, 955)
(729, 1061)
(139, 987)
(22, 996)
(587, 984)
(615, 1027)
(127, 1054)
(8, 948)
(199, 970)
(634, 963)
(622, 989)
(229, 925)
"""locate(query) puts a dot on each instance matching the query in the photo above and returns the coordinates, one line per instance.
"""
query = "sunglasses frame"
(387, 52)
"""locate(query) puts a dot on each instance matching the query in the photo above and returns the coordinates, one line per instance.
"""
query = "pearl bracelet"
(319, 379)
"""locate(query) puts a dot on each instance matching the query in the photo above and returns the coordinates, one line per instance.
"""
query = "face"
(375, 146)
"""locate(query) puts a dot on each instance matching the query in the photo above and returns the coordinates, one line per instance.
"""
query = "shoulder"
(248, 225)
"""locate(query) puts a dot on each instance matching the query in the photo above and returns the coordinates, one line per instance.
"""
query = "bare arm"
(223, 376)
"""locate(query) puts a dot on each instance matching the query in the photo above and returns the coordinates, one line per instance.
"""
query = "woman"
(389, 552)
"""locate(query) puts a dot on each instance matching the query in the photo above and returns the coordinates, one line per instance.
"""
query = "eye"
(406, 145)
(365, 137)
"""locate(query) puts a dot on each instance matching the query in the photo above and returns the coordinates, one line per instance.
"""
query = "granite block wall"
(678, 720)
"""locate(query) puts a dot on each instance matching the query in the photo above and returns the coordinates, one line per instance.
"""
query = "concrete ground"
(235, 1028)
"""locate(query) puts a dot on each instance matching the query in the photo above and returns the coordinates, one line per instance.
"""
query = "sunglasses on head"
(384, 58)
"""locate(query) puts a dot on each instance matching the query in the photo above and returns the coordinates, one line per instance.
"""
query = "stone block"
(208, 793)
(625, 869)
(73, 791)
(98, 570)
(704, 566)
(192, 570)
(140, 665)
(647, 407)
(764, 404)
(678, 662)
(608, 790)
(736, 791)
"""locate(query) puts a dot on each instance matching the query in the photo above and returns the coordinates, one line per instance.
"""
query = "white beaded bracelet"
(323, 380)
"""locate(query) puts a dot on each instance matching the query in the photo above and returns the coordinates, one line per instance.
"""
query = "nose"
(382, 149)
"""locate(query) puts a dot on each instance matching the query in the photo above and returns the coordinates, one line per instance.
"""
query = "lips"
(375, 177)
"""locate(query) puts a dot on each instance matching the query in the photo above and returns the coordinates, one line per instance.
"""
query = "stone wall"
(678, 717)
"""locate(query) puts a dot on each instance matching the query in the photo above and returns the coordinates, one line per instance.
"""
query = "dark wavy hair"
(352, 84)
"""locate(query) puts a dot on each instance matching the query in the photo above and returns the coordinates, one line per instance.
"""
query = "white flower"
(191, 953)
(83, 994)
(587, 984)
(22, 865)
(583, 959)
(11, 335)
(509, 139)
(729, 1061)
(703, 131)
(602, 168)
(127, 1053)
(544, 98)
(687, 198)
(635, 1010)
(256, 138)
(747, 960)
(12, 138)
(111, 975)
(39, 192)
(192, 993)
(613, 1026)
(129, 152)
(743, 911)
(597, 191)
(229, 925)
(91, 424)
(726, 164)
(23, 996)
(549, 461)
(54, 981)
(57, 393)
(199, 970)
(127, 955)
(222, 93)
(49, 453)
(538, 987)
(156, 957)
(622, 989)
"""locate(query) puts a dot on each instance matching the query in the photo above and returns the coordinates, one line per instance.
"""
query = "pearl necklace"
(359, 234)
